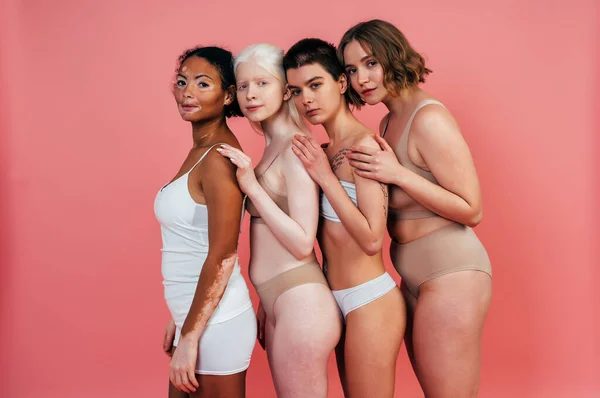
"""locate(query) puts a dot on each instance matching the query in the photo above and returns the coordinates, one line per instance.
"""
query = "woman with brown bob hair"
(434, 201)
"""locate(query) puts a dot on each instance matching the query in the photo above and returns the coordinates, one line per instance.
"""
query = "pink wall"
(89, 132)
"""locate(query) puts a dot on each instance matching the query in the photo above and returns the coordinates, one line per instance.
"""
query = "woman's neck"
(205, 132)
(280, 127)
(404, 101)
(341, 125)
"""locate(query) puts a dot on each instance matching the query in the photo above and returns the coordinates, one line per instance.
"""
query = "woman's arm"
(365, 223)
(442, 147)
(297, 231)
(224, 202)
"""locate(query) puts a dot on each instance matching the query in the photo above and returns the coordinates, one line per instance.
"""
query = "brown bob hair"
(403, 67)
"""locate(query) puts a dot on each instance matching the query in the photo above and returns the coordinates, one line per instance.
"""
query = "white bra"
(327, 211)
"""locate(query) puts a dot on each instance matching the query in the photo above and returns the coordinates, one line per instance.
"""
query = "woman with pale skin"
(299, 323)
(213, 328)
(435, 200)
(353, 217)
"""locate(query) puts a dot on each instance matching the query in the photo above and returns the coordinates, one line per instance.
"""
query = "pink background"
(89, 132)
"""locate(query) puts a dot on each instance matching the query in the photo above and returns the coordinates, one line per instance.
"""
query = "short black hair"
(222, 60)
(316, 51)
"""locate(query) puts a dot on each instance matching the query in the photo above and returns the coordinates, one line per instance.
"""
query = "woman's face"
(259, 93)
(198, 91)
(318, 96)
(365, 73)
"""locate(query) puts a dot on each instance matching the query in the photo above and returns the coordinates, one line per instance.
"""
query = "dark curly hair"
(222, 60)
(403, 67)
(316, 51)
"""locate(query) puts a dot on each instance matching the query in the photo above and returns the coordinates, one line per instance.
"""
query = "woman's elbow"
(474, 218)
(227, 263)
(372, 247)
(304, 250)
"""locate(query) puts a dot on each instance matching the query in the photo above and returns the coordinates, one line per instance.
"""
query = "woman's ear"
(230, 95)
(287, 93)
(343, 81)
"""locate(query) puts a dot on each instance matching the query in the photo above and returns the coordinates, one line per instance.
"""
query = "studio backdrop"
(89, 131)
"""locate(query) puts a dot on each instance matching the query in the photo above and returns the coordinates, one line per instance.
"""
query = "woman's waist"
(184, 254)
(336, 242)
(188, 271)
(265, 265)
(235, 300)
(406, 230)
(344, 271)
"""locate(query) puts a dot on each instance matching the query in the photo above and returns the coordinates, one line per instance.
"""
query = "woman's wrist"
(400, 177)
(326, 179)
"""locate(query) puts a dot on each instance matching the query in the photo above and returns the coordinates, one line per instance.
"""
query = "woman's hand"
(245, 172)
(380, 165)
(261, 319)
(313, 157)
(169, 337)
(183, 365)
